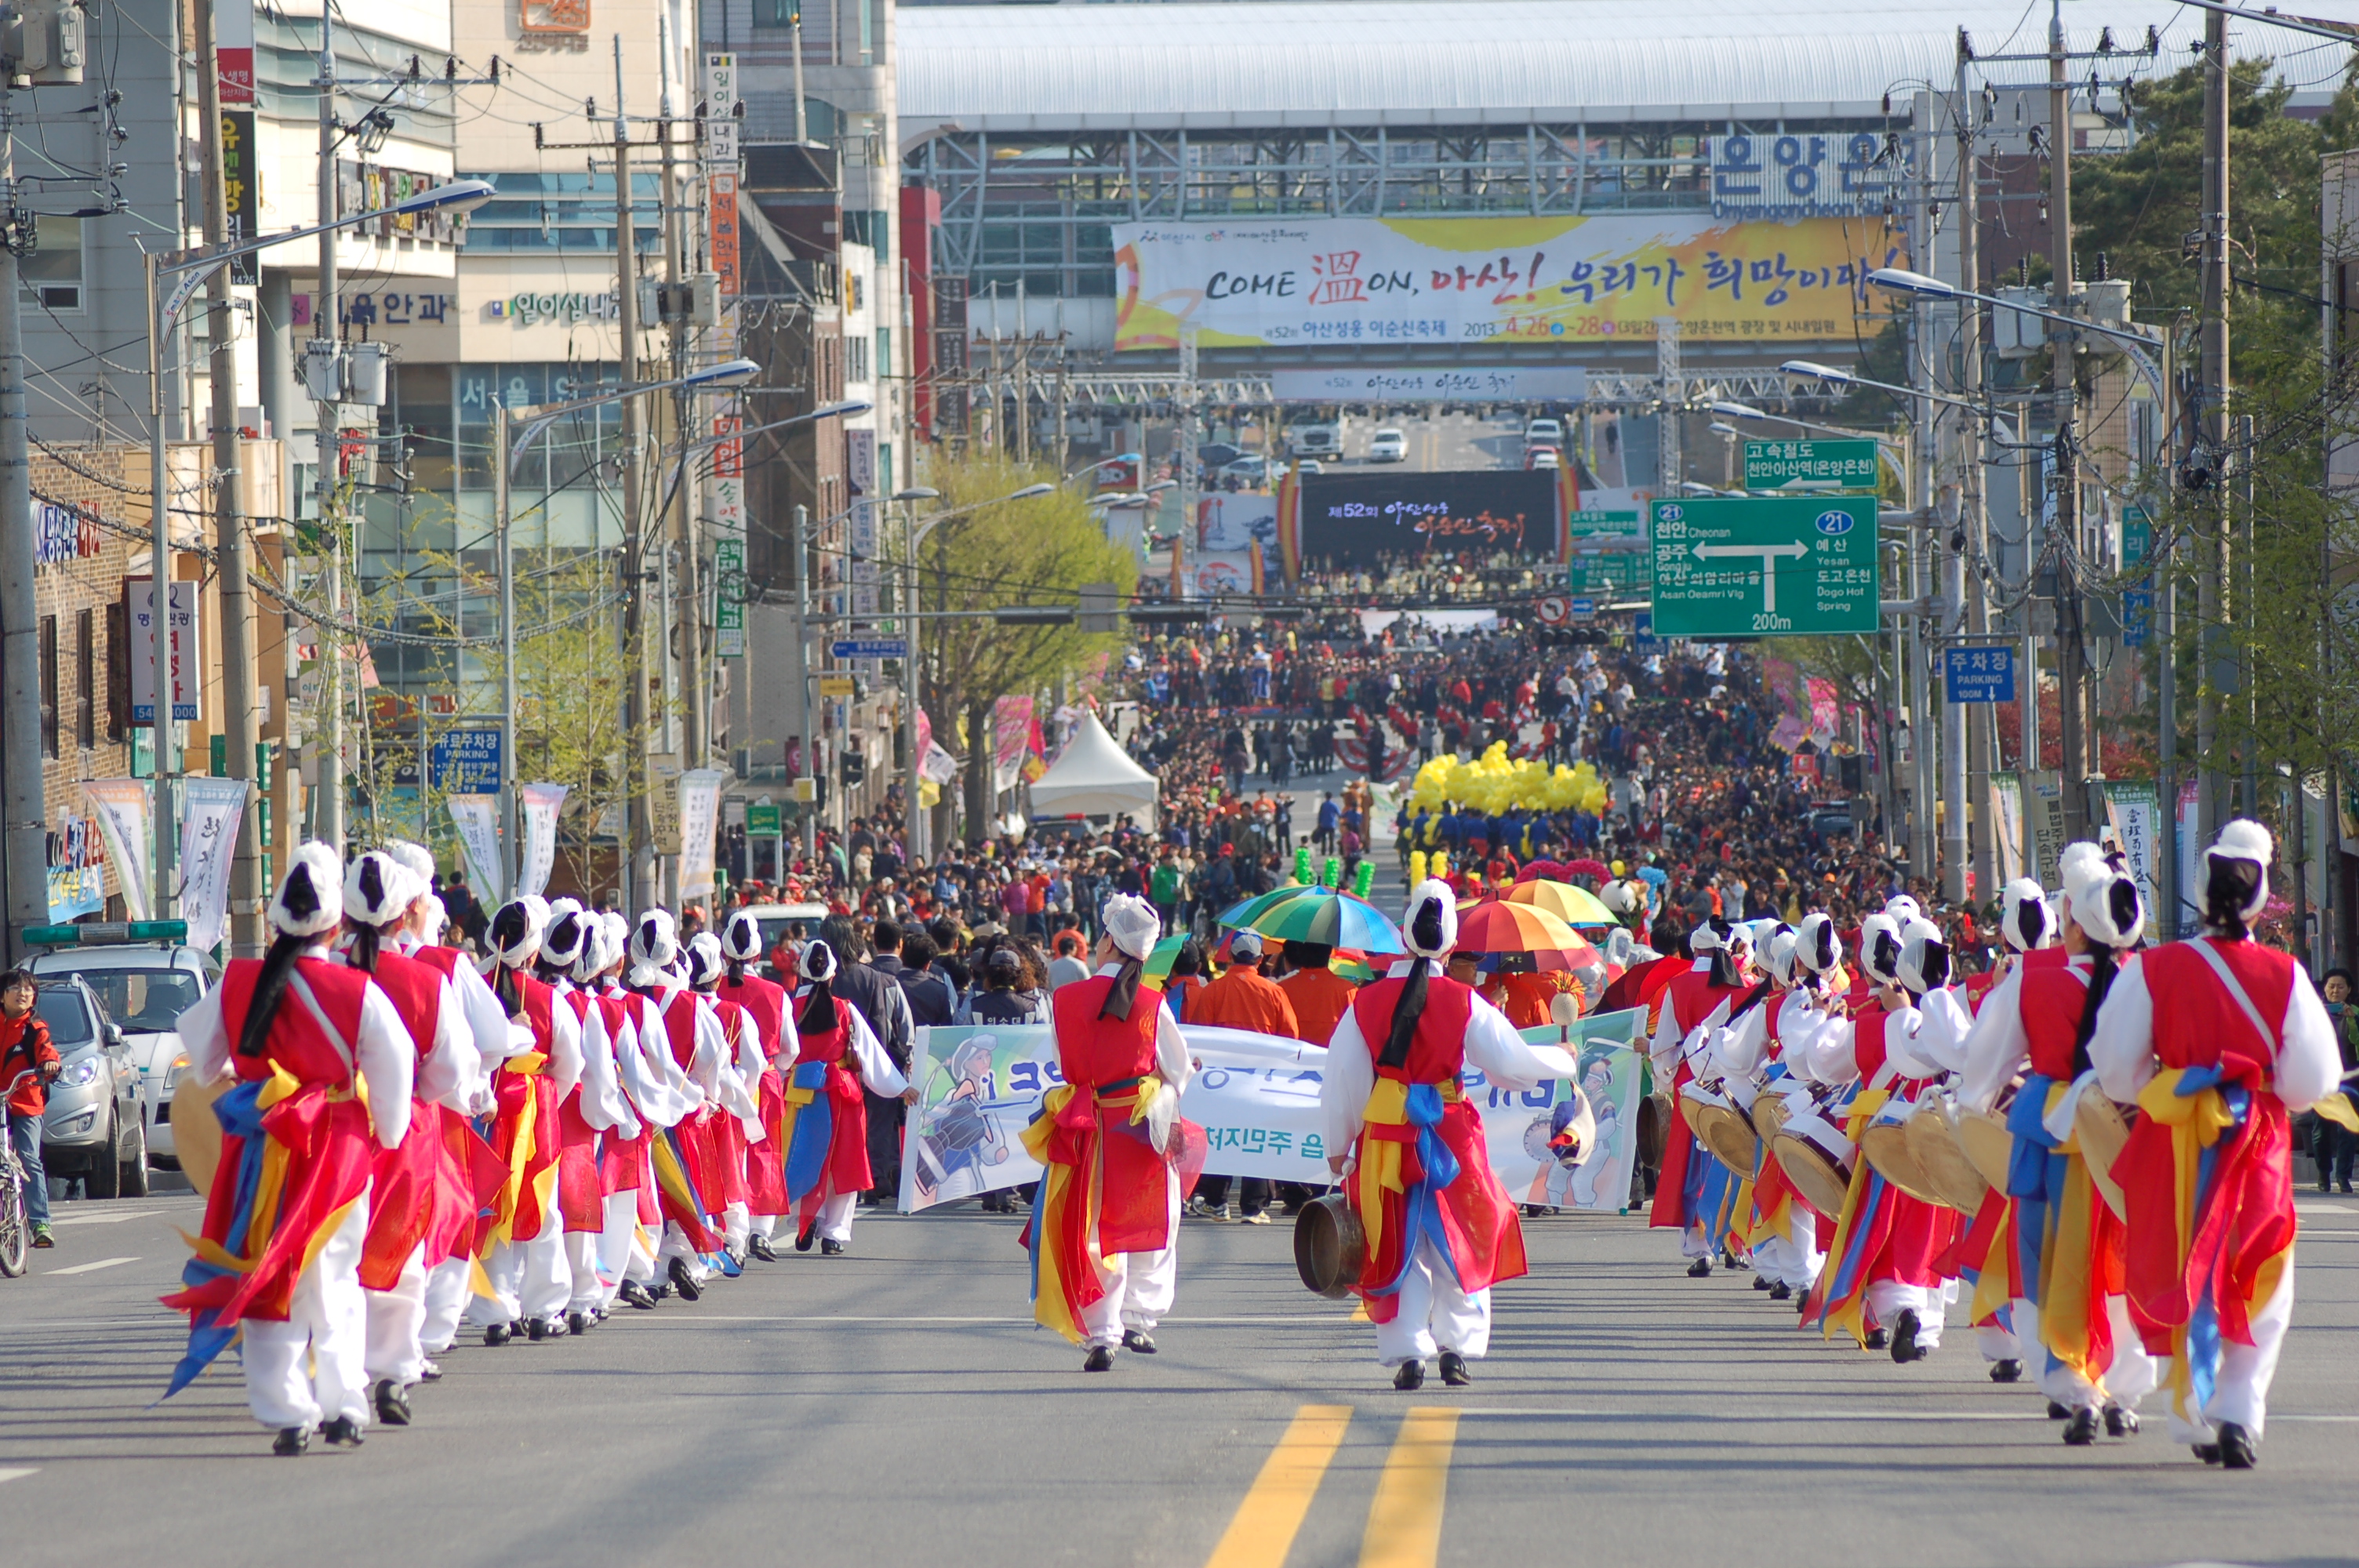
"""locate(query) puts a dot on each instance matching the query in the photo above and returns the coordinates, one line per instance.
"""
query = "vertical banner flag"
(241, 165)
(2007, 813)
(477, 818)
(1011, 728)
(127, 817)
(699, 816)
(2182, 921)
(541, 803)
(181, 650)
(212, 811)
(2043, 812)
(2133, 824)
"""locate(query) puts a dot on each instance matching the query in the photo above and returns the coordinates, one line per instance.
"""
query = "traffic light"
(856, 770)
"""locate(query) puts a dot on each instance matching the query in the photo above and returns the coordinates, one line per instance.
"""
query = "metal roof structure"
(1315, 63)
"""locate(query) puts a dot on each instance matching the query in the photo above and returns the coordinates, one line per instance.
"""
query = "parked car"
(1212, 455)
(1389, 446)
(1253, 468)
(1542, 458)
(143, 989)
(94, 1128)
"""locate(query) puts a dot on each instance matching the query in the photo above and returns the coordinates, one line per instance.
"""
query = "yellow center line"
(1264, 1529)
(1404, 1521)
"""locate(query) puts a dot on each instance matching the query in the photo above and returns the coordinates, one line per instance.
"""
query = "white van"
(1544, 433)
(1315, 441)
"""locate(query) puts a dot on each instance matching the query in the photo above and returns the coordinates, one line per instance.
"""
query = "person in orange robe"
(1319, 996)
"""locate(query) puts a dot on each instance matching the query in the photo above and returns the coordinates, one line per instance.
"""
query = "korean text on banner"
(1369, 282)
(699, 816)
(211, 810)
(2043, 817)
(183, 648)
(126, 813)
(663, 801)
(477, 818)
(541, 803)
(2133, 824)
(2006, 811)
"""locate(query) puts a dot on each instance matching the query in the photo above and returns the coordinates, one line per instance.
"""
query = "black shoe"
(2345, 1189)
(1410, 1377)
(1700, 1269)
(2058, 1413)
(2207, 1452)
(577, 1322)
(2324, 1185)
(1099, 1359)
(2008, 1372)
(1453, 1369)
(496, 1333)
(1781, 1291)
(291, 1442)
(829, 1249)
(2082, 1430)
(392, 1403)
(804, 1237)
(2237, 1447)
(342, 1432)
(634, 1293)
(1760, 1281)
(536, 1330)
(430, 1371)
(688, 1287)
(760, 1247)
(660, 1291)
(2120, 1422)
(1877, 1339)
(1142, 1343)
(1905, 1347)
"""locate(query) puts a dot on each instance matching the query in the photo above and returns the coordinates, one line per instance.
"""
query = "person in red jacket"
(26, 1047)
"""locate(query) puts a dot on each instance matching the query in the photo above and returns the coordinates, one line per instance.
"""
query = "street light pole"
(511, 826)
(326, 364)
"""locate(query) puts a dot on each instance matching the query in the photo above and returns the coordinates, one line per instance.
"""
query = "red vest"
(536, 999)
(733, 1019)
(1691, 996)
(415, 990)
(2054, 994)
(2195, 1018)
(679, 1026)
(445, 959)
(767, 1001)
(829, 1044)
(1437, 1049)
(1094, 1051)
(296, 1041)
(1867, 1039)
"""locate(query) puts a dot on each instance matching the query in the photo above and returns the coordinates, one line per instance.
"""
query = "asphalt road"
(896, 1407)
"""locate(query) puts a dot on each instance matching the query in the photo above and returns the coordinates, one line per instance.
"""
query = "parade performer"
(1440, 1230)
(594, 1111)
(324, 1068)
(824, 1126)
(1693, 1190)
(738, 1074)
(765, 1002)
(2067, 1243)
(682, 1032)
(1882, 1262)
(2217, 1040)
(1781, 1231)
(1104, 1235)
(523, 1249)
(658, 1094)
(407, 1193)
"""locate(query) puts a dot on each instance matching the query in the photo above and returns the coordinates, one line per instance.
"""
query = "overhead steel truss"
(1160, 392)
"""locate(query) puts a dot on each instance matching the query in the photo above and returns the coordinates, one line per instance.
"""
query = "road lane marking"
(103, 1218)
(15, 1474)
(1271, 1515)
(1405, 1520)
(89, 1268)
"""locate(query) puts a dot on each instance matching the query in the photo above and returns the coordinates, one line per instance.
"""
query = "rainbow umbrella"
(1333, 919)
(1244, 912)
(1509, 935)
(1573, 906)
(1161, 956)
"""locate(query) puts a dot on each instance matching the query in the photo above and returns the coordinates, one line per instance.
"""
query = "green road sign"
(762, 821)
(1765, 565)
(1609, 557)
(1848, 465)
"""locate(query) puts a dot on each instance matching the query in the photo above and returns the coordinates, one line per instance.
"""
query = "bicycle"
(16, 1230)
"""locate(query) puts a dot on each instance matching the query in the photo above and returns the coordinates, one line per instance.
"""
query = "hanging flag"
(541, 803)
(477, 818)
(211, 810)
(125, 811)
(700, 814)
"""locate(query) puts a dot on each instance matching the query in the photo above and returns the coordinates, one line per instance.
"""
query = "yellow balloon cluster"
(1493, 784)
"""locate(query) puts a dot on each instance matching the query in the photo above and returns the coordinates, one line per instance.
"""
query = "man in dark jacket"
(874, 992)
(931, 997)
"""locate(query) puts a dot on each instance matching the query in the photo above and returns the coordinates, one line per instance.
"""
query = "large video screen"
(1359, 518)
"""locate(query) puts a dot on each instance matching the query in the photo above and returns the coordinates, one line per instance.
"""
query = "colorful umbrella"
(1161, 956)
(1573, 906)
(1247, 911)
(1333, 919)
(1499, 929)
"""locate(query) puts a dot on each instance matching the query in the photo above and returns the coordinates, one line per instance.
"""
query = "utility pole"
(2212, 566)
(239, 733)
(812, 769)
(697, 702)
(2066, 537)
(640, 827)
(326, 367)
(1981, 734)
(26, 841)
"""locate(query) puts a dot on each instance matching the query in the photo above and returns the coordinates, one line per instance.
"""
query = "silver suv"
(143, 989)
(93, 1127)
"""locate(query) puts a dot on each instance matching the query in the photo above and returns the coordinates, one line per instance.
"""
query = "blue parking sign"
(465, 762)
(1979, 675)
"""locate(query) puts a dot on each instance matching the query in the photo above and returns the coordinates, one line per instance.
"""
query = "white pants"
(617, 1249)
(449, 1286)
(309, 1368)
(1793, 1259)
(1887, 1299)
(835, 1215)
(589, 1289)
(530, 1279)
(675, 1245)
(1138, 1286)
(2240, 1389)
(736, 1225)
(397, 1321)
(2130, 1379)
(762, 1225)
(1434, 1314)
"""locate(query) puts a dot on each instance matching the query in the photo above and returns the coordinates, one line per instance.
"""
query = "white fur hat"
(1879, 948)
(517, 928)
(377, 890)
(740, 939)
(818, 962)
(415, 858)
(2103, 898)
(1132, 925)
(655, 941)
(310, 899)
(1778, 952)
(2024, 916)
(1924, 956)
(567, 932)
(704, 962)
(1430, 923)
(1816, 945)
(2244, 840)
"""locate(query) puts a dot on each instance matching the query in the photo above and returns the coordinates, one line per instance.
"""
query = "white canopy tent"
(1094, 777)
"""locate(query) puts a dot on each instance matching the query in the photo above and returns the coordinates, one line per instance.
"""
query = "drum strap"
(2236, 991)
